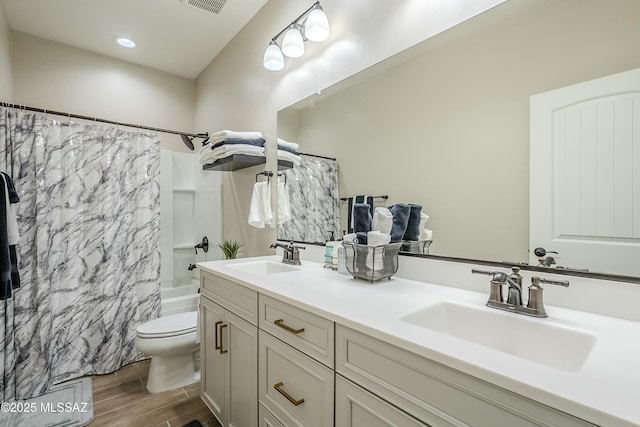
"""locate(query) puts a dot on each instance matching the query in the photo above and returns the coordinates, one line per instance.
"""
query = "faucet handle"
(535, 305)
(535, 281)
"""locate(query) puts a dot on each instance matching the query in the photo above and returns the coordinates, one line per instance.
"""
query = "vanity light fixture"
(311, 25)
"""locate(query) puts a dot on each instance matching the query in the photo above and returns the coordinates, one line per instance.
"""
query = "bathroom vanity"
(302, 345)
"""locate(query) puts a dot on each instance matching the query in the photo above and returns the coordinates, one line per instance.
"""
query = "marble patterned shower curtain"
(89, 258)
(313, 197)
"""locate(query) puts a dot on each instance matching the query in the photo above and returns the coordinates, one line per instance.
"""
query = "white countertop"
(605, 391)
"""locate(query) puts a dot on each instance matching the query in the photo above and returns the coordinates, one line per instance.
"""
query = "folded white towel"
(236, 147)
(260, 214)
(221, 135)
(427, 234)
(287, 144)
(210, 157)
(351, 238)
(285, 155)
(374, 253)
(13, 235)
(284, 207)
(382, 220)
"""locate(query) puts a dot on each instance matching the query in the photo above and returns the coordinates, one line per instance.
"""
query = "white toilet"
(171, 343)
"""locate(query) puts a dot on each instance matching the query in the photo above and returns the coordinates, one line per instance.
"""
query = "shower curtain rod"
(315, 155)
(97, 119)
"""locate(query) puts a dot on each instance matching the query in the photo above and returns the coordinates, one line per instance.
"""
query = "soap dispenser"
(328, 251)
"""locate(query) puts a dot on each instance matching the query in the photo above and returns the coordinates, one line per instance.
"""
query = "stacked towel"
(288, 151)
(230, 134)
(382, 220)
(400, 213)
(374, 252)
(260, 214)
(412, 232)
(226, 143)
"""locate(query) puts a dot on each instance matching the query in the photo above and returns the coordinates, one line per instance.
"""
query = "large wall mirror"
(446, 124)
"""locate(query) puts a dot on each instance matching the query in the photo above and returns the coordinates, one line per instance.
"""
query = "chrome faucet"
(291, 254)
(535, 303)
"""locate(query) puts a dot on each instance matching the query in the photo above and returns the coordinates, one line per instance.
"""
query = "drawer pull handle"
(279, 389)
(222, 339)
(216, 336)
(280, 322)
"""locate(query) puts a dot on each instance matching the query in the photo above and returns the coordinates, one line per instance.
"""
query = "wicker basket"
(372, 263)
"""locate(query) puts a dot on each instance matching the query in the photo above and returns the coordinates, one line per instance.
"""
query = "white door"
(585, 174)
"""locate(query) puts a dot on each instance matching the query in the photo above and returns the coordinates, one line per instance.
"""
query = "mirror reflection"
(446, 124)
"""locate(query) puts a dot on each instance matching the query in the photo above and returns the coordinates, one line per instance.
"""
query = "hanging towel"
(370, 203)
(12, 221)
(260, 214)
(284, 207)
(9, 276)
(361, 218)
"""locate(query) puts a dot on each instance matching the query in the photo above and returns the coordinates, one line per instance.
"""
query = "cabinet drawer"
(232, 296)
(356, 407)
(434, 393)
(307, 332)
(295, 388)
(267, 419)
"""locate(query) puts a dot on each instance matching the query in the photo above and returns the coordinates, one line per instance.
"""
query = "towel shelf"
(242, 161)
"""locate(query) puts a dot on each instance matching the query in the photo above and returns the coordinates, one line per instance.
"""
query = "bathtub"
(179, 299)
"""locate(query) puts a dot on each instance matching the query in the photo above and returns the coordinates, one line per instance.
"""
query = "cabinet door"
(239, 339)
(356, 407)
(212, 362)
(294, 387)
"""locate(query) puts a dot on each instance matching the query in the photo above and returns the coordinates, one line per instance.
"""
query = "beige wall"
(6, 71)
(236, 92)
(60, 77)
(449, 129)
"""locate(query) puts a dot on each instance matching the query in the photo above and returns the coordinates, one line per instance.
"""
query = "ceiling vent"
(211, 6)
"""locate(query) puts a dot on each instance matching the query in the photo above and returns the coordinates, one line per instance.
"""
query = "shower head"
(187, 141)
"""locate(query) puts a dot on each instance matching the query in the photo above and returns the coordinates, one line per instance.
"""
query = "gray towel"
(413, 225)
(400, 213)
(361, 218)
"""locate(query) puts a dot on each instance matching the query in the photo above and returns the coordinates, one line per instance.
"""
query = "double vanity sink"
(579, 363)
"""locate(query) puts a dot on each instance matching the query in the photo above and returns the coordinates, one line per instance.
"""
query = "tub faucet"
(291, 254)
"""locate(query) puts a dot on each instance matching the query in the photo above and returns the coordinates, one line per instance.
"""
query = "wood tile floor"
(121, 399)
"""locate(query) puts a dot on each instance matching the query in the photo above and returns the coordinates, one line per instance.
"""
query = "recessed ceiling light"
(125, 42)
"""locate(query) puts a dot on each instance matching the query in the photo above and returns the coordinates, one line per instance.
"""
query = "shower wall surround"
(89, 253)
(312, 189)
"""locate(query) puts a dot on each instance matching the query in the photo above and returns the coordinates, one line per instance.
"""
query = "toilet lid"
(168, 326)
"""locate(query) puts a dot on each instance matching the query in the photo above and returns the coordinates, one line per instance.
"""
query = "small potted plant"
(230, 248)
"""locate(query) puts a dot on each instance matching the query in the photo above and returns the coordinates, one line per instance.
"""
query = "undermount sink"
(263, 268)
(536, 340)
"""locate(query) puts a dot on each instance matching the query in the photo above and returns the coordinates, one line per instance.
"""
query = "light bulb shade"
(273, 59)
(316, 28)
(292, 43)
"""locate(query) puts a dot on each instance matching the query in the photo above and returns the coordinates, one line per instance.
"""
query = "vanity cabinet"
(229, 351)
(431, 392)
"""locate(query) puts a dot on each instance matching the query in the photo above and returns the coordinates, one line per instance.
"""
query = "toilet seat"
(169, 326)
